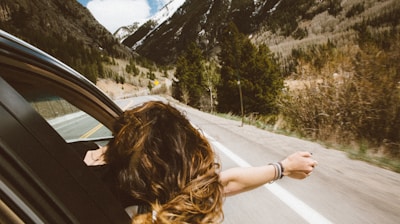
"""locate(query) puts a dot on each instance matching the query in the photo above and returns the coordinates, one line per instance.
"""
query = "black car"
(46, 110)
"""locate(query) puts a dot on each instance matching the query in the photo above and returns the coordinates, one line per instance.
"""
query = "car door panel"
(49, 177)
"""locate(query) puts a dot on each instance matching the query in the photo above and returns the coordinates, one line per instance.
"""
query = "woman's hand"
(299, 165)
(235, 180)
(95, 157)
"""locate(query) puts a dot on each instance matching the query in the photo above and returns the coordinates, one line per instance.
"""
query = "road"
(80, 125)
(340, 190)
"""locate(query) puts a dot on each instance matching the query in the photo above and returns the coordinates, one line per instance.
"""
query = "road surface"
(340, 190)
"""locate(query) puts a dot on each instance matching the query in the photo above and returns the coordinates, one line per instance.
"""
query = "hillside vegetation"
(344, 79)
(65, 30)
(339, 60)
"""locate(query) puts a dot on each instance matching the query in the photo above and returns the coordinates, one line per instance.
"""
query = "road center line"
(97, 127)
(302, 209)
(91, 131)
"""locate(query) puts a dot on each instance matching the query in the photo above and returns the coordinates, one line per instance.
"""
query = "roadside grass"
(372, 157)
(360, 151)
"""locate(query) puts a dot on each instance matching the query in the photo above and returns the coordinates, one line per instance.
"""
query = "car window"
(69, 121)
(36, 171)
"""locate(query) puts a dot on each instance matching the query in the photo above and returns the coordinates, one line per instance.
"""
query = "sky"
(113, 14)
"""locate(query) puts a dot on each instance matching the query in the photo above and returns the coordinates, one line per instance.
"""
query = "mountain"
(45, 18)
(64, 29)
(163, 14)
(281, 24)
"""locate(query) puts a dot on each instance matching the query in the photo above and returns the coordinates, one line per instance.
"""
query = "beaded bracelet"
(282, 169)
(278, 171)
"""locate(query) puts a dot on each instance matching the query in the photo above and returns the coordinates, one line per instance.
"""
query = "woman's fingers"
(298, 175)
(305, 154)
(299, 165)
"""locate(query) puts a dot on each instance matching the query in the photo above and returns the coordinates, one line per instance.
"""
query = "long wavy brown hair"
(163, 161)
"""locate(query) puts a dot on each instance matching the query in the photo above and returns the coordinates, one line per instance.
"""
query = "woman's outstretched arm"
(298, 165)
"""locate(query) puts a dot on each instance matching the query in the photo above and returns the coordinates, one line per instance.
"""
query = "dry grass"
(134, 85)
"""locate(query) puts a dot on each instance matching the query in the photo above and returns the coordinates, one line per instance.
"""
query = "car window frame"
(71, 85)
(87, 200)
(19, 57)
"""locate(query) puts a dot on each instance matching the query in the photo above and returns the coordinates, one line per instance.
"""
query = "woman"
(170, 170)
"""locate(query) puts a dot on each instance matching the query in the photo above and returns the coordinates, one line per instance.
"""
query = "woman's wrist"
(285, 169)
(282, 170)
(278, 171)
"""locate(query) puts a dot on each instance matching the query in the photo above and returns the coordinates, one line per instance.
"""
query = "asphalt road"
(340, 190)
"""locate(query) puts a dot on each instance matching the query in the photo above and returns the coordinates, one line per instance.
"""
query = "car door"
(42, 180)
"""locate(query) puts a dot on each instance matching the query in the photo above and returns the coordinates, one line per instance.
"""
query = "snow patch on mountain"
(159, 18)
(167, 11)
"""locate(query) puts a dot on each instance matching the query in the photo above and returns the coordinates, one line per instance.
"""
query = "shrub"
(358, 106)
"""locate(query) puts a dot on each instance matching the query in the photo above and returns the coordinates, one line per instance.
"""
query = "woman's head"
(162, 160)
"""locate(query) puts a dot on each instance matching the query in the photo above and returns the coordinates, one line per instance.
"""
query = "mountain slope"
(281, 24)
(163, 14)
(64, 29)
(36, 19)
(165, 39)
(195, 20)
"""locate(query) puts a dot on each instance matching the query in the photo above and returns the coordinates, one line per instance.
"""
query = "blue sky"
(83, 2)
(113, 14)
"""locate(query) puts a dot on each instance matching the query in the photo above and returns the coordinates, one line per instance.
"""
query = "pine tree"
(267, 81)
(179, 76)
(255, 68)
(227, 89)
(189, 76)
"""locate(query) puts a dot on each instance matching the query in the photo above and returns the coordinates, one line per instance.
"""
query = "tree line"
(67, 49)
(350, 94)
(205, 83)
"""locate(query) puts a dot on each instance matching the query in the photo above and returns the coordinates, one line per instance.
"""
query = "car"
(47, 109)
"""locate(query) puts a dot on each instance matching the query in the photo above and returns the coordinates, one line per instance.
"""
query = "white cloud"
(113, 14)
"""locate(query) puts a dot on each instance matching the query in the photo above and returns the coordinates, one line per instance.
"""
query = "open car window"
(69, 112)
(43, 180)
(69, 121)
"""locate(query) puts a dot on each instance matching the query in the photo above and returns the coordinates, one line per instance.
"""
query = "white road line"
(302, 209)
